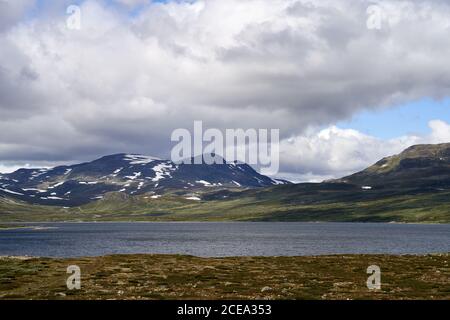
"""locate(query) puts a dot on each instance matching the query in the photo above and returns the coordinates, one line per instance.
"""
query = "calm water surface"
(224, 239)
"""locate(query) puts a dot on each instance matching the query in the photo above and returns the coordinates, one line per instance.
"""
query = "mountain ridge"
(414, 187)
(133, 174)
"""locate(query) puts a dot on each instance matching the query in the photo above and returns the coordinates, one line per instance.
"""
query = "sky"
(345, 82)
(386, 123)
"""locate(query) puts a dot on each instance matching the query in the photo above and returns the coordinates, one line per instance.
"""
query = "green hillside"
(288, 203)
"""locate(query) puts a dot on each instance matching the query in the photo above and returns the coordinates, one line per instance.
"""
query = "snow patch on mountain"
(57, 185)
(203, 182)
(134, 176)
(162, 171)
(38, 173)
(139, 159)
(117, 171)
(278, 182)
(11, 192)
(193, 198)
(55, 198)
(34, 189)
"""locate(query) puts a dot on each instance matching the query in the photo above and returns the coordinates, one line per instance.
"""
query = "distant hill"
(420, 166)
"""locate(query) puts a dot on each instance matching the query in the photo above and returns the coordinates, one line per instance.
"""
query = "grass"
(290, 203)
(10, 226)
(187, 277)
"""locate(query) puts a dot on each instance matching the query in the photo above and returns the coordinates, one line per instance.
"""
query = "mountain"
(425, 167)
(412, 186)
(130, 174)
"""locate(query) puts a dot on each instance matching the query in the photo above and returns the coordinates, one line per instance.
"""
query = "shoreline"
(19, 227)
(222, 221)
(20, 257)
(13, 226)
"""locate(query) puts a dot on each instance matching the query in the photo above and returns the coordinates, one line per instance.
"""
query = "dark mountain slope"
(131, 174)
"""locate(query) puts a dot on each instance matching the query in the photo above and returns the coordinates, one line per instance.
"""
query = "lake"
(224, 239)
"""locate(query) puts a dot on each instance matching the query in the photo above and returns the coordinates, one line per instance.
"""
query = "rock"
(266, 289)
(60, 294)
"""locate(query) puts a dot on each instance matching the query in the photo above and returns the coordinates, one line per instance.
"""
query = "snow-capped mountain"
(127, 173)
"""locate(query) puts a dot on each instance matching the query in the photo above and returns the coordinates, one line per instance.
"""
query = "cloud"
(132, 3)
(123, 82)
(12, 11)
(440, 132)
(334, 152)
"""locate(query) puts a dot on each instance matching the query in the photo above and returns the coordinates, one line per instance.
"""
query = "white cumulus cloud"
(334, 152)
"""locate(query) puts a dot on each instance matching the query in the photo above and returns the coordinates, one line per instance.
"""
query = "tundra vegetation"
(187, 277)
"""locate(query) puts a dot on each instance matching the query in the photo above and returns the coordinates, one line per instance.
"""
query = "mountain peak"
(131, 174)
(418, 165)
(427, 150)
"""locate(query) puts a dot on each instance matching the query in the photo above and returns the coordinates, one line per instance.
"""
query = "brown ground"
(186, 277)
